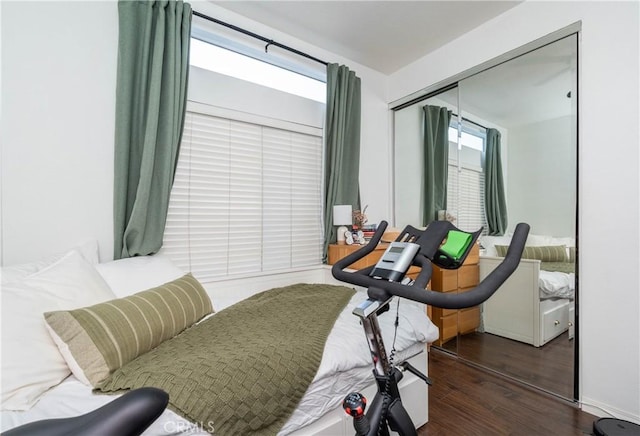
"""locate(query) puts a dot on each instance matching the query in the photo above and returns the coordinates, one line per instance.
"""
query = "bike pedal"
(408, 367)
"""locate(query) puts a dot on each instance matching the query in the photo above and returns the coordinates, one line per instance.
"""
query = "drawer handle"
(570, 324)
(556, 322)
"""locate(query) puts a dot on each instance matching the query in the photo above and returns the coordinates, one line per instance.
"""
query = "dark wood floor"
(466, 400)
(549, 367)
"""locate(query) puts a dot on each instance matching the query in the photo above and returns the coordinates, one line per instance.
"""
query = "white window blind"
(465, 197)
(246, 199)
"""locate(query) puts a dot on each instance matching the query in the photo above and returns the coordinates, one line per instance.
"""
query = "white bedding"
(345, 366)
(551, 284)
(555, 284)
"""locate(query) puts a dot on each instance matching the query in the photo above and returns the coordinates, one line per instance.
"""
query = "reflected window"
(465, 183)
(471, 136)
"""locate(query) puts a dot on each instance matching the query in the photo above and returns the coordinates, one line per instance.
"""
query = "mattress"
(345, 366)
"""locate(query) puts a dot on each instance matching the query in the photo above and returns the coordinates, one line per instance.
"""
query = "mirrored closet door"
(522, 114)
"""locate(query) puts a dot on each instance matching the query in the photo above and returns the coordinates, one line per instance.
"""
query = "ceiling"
(388, 35)
(530, 88)
(382, 35)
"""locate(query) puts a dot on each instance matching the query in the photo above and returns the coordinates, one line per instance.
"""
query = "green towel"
(457, 244)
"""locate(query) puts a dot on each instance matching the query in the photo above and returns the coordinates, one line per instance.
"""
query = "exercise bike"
(441, 244)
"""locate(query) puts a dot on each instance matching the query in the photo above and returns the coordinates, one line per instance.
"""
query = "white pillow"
(568, 241)
(488, 243)
(31, 362)
(88, 250)
(135, 274)
(534, 240)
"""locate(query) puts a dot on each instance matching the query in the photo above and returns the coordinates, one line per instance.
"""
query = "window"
(246, 199)
(471, 136)
(231, 63)
(465, 184)
(247, 196)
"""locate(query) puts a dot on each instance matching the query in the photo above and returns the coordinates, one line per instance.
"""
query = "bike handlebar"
(417, 291)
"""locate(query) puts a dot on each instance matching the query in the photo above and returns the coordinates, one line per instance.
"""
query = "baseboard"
(601, 410)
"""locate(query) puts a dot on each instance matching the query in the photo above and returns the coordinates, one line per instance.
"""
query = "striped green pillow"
(551, 253)
(97, 340)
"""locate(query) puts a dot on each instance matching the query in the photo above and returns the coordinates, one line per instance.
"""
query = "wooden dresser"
(337, 252)
(450, 322)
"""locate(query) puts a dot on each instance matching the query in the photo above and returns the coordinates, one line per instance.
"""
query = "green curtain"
(342, 145)
(153, 66)
(494, 196)
(436, 161)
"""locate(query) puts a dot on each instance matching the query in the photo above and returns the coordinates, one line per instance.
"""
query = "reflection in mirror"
(526, 329)
(410, 187)
(438, 159)
(520, 114)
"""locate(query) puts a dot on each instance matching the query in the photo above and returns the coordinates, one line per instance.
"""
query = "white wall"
(59, 63)
(608, 166)
(541, 186)
(58, 94)
(220, 91)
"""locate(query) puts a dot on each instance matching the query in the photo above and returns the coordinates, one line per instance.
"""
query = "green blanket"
(244, 370)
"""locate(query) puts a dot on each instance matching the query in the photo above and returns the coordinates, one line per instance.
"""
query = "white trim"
(217, 111)
(602, 410)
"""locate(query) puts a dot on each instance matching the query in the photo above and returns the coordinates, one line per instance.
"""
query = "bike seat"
(128, 415)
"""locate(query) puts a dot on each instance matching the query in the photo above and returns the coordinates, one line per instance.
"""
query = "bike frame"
(386, 410)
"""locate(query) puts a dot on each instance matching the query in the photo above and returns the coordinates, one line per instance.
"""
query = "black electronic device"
(615, 427)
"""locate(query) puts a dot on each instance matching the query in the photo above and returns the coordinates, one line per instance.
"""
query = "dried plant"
(359, 218)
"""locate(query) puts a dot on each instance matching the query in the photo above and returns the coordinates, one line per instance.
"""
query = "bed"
(62, 283)
(536, 304)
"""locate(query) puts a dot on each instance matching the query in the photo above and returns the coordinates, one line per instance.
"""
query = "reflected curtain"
(153, 65)
(494, 195)
(342, 146)
(436, 161)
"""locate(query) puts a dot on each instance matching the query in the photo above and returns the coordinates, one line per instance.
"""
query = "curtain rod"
(473, 122)
(470, 121)
(262, 38)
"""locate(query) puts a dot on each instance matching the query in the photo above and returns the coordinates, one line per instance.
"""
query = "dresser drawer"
(337, 252)
(468, 276)
(440, 313)
(444, 280)
(555, 321)
(468, 319)
(448, 326)
(474, 255)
